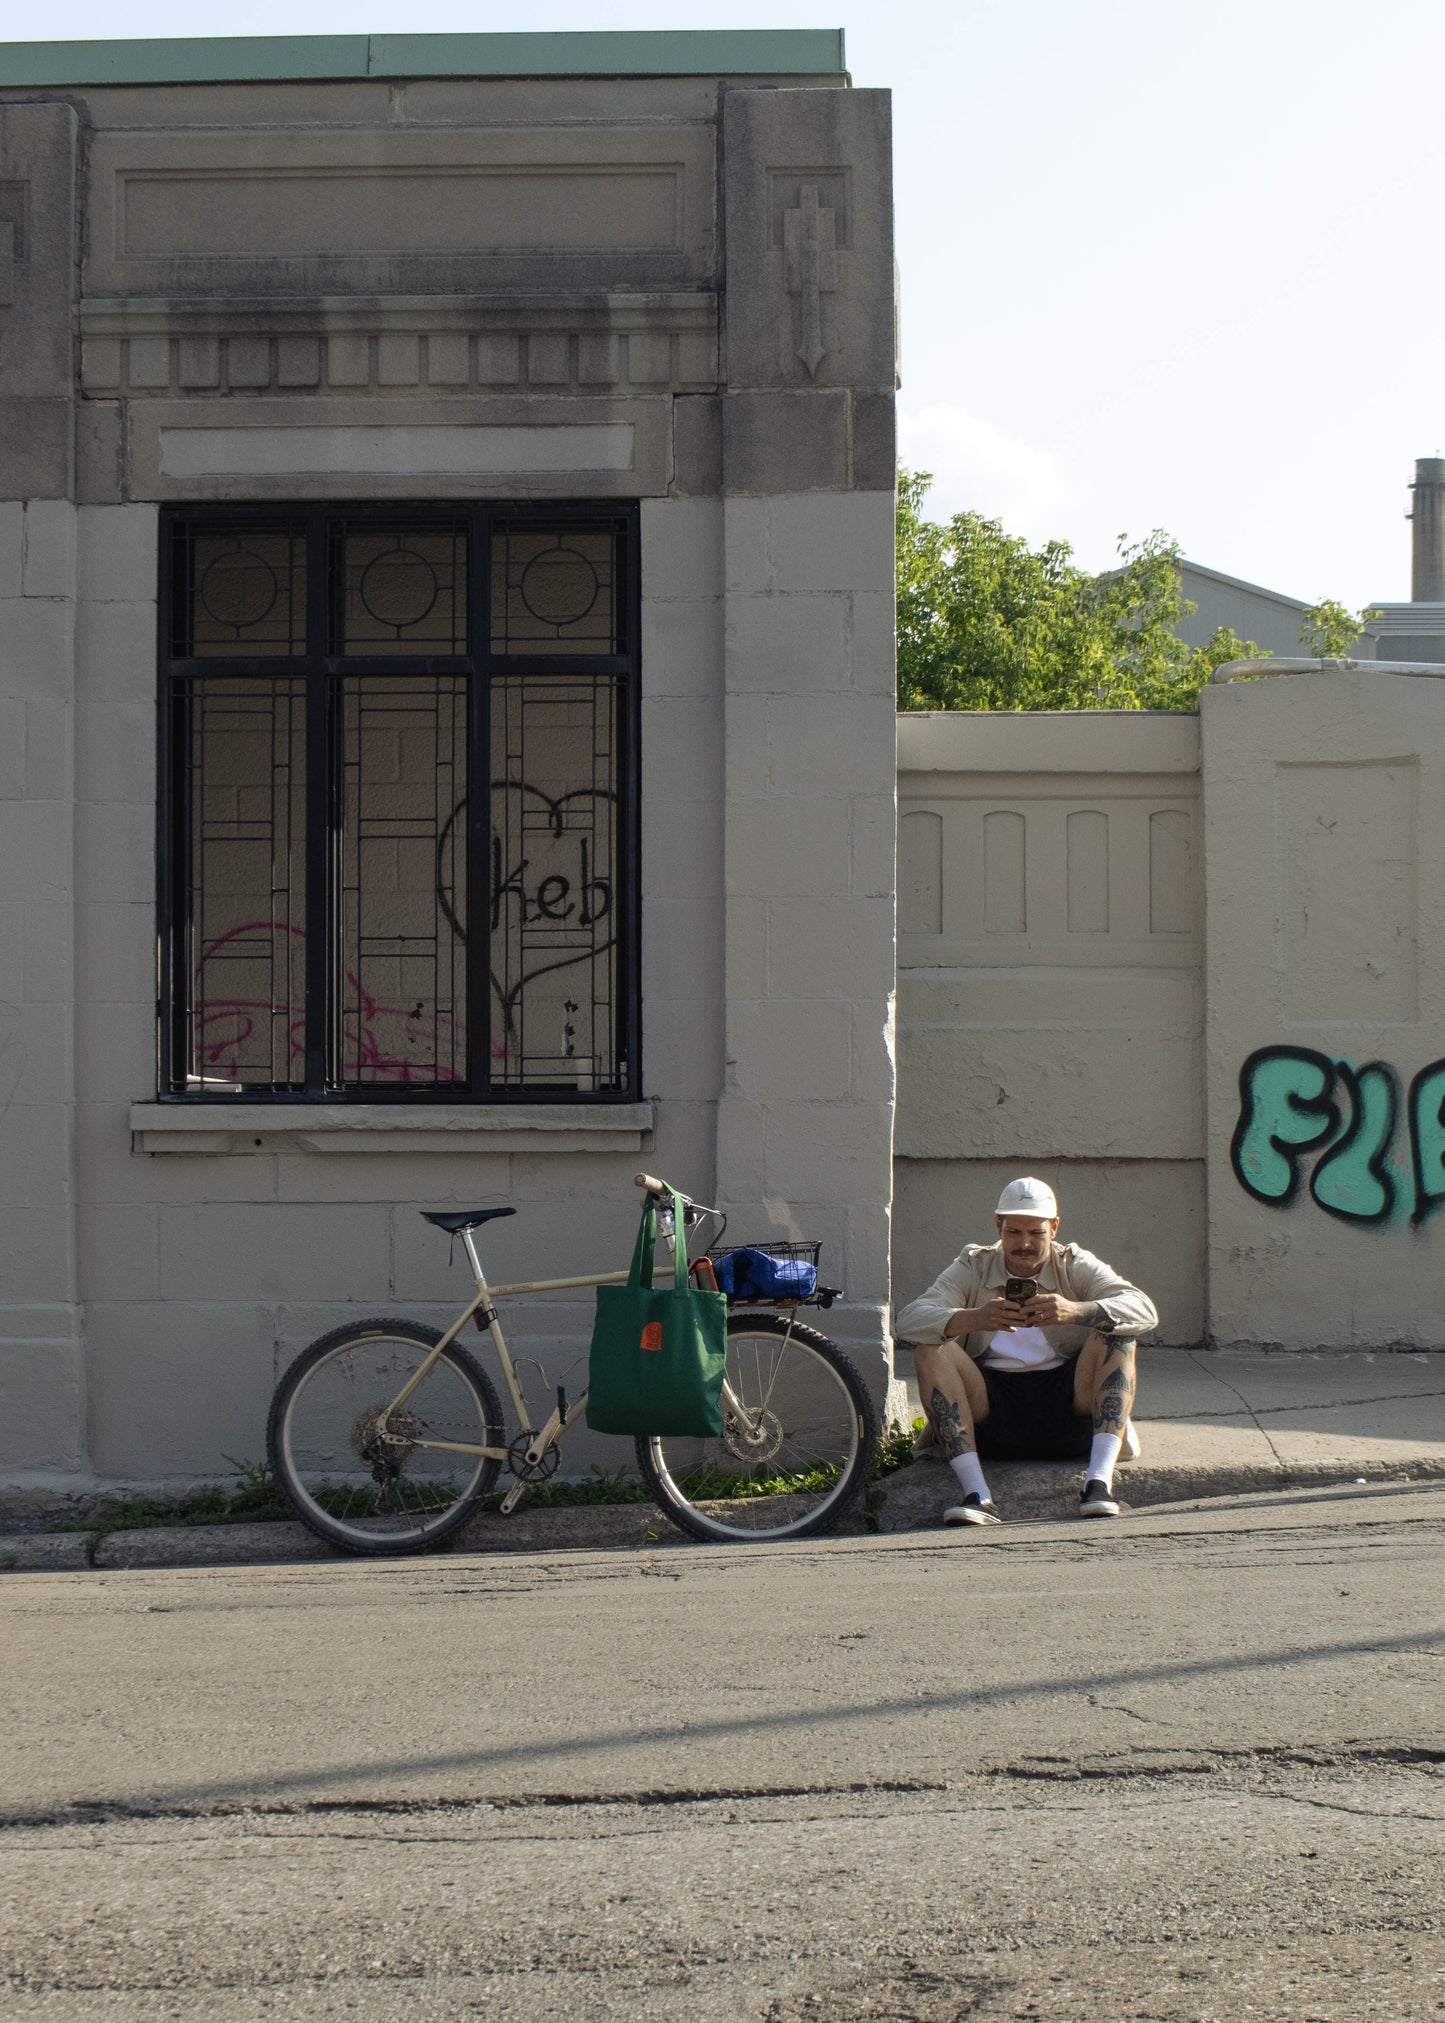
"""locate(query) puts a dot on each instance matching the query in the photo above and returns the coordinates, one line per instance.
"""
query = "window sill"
(386, 1127)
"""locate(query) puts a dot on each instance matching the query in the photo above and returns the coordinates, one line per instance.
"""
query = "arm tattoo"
(953, 1435)
(1098, 1318)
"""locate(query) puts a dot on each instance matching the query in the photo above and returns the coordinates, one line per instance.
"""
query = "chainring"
(537, 1471)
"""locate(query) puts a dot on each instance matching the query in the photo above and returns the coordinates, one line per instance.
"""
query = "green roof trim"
(690, 52)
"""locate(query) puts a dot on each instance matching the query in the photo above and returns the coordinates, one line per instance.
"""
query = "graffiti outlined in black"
(553, 898)
(1293, 1103)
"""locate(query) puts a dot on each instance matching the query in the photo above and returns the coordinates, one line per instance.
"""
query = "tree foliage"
(986, 622)
(1329, 631)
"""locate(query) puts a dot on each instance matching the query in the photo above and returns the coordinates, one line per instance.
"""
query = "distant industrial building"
(1416, 631)
(1413, 631)
(1267, 617)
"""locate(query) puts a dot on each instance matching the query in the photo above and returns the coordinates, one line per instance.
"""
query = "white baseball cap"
(1028, 1197)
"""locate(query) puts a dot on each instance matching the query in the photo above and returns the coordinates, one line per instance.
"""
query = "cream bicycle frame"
(557, 1422)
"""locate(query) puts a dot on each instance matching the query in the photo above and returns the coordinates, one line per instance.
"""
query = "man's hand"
(1000, 1313)
(1050, 1310)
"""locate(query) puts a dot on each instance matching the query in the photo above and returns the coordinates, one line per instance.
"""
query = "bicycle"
(386, 1436)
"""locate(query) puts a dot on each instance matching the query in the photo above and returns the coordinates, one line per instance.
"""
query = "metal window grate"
(402, 589)
(403, 882)
(555, 589)
(338, 917)
(554, 880)
(243, 591)
(244, 757)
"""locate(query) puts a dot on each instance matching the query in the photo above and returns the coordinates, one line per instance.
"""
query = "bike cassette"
(536, 1471)
(761, 1444)
(377, 1436)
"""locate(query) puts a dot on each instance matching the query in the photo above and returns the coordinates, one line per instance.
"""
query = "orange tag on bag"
(652, 1336)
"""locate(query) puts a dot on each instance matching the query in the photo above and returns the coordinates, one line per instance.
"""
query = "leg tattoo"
(1115, 1393)
(954, 1437)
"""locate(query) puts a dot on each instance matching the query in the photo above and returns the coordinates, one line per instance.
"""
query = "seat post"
(470, 1246)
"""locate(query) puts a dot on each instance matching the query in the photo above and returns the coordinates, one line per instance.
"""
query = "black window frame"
(320, 669)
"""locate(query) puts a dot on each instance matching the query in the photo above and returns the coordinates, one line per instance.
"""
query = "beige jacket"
(977, 1275)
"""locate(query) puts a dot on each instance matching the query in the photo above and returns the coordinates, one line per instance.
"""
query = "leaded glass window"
(345, 912)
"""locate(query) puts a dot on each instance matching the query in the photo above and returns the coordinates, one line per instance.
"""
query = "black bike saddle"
(454, 1220)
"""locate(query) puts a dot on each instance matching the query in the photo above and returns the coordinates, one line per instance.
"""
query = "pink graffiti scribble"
(380, 1042)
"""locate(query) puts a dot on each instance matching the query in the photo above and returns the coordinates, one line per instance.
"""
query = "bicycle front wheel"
(364, 1476)
(793, 1463)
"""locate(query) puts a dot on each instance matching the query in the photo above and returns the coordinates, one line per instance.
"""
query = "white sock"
(1102, 1456)
(970, 1476)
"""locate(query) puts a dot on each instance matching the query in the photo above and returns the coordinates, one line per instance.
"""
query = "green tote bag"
(657, 1355)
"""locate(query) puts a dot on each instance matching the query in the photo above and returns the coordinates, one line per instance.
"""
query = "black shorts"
(1031, 1416)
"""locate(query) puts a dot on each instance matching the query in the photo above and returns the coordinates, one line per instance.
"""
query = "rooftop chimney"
(1427, 548)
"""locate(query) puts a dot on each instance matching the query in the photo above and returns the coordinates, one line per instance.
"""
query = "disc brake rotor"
(761, 1444)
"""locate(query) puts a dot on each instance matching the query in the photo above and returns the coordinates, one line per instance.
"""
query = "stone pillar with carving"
(805, 1122)
(41, 1383)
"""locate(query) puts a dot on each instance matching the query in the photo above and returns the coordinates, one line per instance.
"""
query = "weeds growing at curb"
(255, 1499)
(895, 1449)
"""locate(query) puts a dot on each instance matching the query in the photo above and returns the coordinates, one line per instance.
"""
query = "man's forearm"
(1095, 1316)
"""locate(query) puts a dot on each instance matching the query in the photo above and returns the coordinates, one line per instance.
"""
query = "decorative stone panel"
(156, 347)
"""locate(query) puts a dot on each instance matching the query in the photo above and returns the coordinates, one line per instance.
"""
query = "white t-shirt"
(1021, 1349)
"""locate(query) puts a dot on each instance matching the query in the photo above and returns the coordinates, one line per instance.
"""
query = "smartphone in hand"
(1019, 1291)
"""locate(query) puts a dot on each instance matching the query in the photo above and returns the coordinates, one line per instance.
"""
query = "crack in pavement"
(1250, 1412)
(693, 1735)
(1159, 1765)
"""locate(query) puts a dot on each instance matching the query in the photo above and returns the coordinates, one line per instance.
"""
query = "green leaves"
(1329, 631)
(986, 622)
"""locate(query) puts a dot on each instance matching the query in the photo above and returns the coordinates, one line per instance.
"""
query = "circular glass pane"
(399, 587)
(239, 589)
(559, 586)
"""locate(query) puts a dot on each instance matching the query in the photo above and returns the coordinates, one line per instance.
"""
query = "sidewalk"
(1219, 1423)
(1211, 1423)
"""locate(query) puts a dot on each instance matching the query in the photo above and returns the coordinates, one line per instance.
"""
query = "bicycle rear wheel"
(802, 1466)
(360, 1477)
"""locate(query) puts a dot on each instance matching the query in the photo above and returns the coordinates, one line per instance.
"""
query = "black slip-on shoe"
(972, 1510)
(1097, 1500)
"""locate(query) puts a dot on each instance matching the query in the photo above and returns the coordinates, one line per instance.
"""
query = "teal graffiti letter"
(1427, 1139)
(1352, 1181)
(1285, 1110)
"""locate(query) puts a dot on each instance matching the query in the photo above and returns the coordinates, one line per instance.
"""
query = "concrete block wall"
(1325, 854)
(249, 332)
(1051, 999)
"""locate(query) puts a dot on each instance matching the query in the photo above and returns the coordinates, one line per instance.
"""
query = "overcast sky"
(1161, 266)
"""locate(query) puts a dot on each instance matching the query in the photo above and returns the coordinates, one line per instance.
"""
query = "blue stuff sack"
(746, 1273)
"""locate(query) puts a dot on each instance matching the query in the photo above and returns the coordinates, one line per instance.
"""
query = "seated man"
(1046, 1376)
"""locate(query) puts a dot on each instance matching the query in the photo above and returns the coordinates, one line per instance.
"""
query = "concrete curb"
(915, 1497)
(911, 1500)
(594, 1526)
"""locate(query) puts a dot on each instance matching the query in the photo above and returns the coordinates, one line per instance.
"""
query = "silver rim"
(799, 1460)
(331, 1420)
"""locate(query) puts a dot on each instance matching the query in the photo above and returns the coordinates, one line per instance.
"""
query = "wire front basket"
(806, 1253)
(793, 1284)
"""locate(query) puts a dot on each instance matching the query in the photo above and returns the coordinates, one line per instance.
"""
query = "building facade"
(446, 693)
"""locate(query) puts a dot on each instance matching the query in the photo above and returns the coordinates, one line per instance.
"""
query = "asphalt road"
(1189, 1766)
